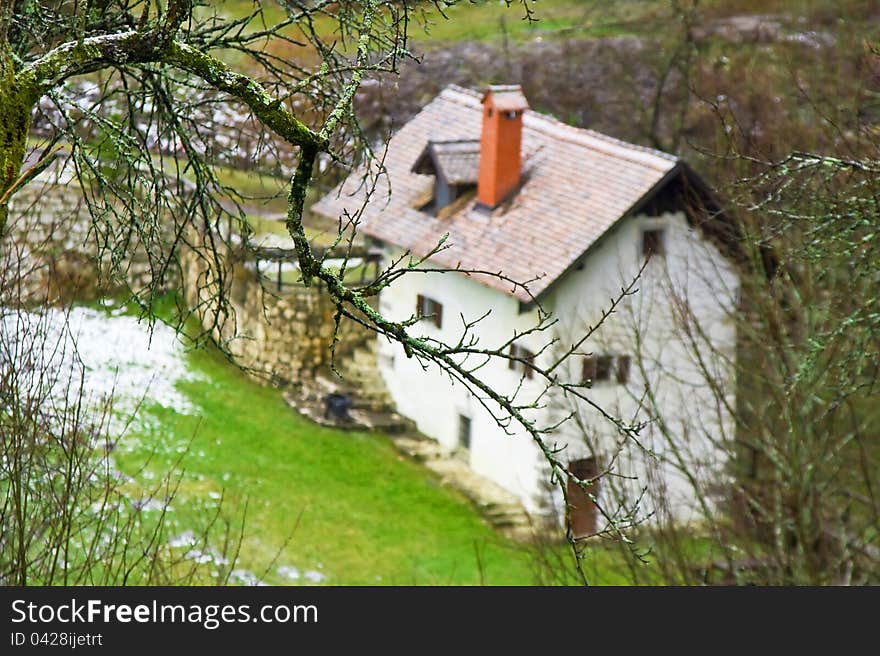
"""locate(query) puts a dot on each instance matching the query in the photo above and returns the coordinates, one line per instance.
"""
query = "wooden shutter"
(589, 372)
(623, 369)
(528, 365)
(582, 512)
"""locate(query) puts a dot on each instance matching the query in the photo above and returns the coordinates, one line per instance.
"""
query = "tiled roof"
(458, 160)
(576, 185)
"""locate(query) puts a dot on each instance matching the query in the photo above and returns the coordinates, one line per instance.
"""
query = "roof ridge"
(552, 126)
(578, 134)
(455, 88)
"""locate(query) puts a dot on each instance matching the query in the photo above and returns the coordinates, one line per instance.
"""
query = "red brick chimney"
(500, 143)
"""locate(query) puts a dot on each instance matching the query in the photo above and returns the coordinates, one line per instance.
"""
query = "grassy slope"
(488, 20)
(365, 514)
(491, 21)
(264, 192)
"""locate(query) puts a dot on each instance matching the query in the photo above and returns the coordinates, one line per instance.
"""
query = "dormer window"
(454, 165)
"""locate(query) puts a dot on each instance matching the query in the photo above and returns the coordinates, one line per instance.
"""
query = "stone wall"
(282, 337)
(52, 239)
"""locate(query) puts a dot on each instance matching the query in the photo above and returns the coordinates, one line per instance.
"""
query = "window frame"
(606, 368)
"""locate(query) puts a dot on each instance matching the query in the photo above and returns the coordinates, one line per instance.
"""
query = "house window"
(582, 512)
(464, 432)
(597, 368)
(604, 368)
(526, 362)
(653, 242)
(429, 309)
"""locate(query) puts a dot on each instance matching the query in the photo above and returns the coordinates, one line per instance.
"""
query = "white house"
(576, 212)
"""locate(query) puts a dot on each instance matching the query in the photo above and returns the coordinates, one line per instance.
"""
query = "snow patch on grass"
(110, 356)
(245, 577)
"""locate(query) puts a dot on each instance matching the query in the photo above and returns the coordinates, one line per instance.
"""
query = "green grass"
(263, 225)
(352, 507)
(344, 503)
(266, 194)
(271, 225)
(266, 191)
(489, 20)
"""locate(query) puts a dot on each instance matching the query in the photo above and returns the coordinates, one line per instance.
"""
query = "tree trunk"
(16, 105)
(15, 120)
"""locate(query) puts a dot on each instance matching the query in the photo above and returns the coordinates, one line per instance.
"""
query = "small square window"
(526, 362)
(601, 369)
(429, 309)
(604, 364)
(589, 369)
(653, 243)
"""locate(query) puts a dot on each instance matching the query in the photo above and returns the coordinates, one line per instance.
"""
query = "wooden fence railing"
(278, 256)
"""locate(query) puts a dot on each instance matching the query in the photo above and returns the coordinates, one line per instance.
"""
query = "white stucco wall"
(668, 385)
(435, 403)
(691, 267)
